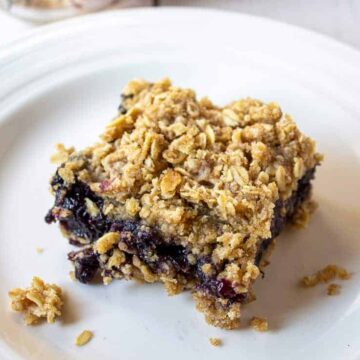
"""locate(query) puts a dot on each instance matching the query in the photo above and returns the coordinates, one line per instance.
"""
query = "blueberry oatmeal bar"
(184, 192)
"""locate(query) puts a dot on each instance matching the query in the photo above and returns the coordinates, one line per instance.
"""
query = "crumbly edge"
(37, 302)
(219, 312)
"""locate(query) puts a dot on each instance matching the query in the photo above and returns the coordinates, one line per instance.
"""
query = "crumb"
(84, 338)
(72, 275)
(62, 154)
(39, 250)
(325, 275)
(259, 324)
(333, 289)
(39, 301)
(303, 213)
(215, 342)
(265, 262)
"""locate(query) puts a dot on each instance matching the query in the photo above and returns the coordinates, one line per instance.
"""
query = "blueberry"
(86, 265)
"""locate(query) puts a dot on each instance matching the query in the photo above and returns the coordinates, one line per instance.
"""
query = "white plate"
(62, 84)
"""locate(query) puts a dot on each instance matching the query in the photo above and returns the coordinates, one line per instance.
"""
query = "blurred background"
(339, 19)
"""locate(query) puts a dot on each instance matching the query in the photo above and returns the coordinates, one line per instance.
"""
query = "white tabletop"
(339, 19)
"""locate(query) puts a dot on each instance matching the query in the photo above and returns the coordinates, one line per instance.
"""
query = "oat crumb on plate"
(39, 250)
(215, 341)
(333, 289)
(325, 275)
(303, 213)
(39, 301)
(84, 338)
(259, 324)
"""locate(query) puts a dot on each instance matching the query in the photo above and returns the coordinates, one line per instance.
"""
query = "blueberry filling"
(146, 243)
(86, 265)
(77, 221)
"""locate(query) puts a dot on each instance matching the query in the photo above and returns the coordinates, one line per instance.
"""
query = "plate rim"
(86, 20)
(347, 56)
(49, 32)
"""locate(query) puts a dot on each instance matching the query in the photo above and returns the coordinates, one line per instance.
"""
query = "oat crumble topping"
(189, 187)
(39, 301)
(170, 154)
(259, 324)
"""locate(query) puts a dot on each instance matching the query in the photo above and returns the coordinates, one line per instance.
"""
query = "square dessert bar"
(184, 192)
